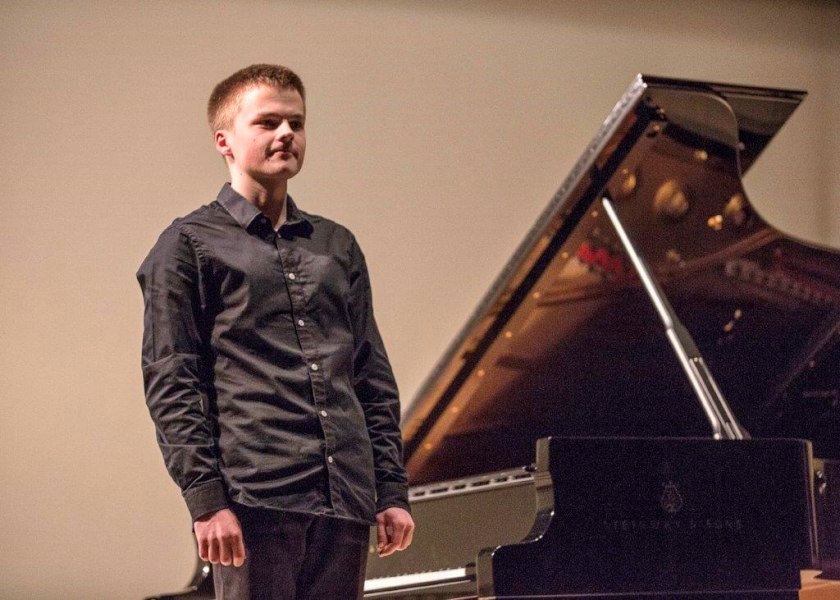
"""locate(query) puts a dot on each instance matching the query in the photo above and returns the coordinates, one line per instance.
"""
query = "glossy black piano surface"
(663, 515)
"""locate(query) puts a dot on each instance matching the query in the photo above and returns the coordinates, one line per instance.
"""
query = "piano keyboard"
(419, 581)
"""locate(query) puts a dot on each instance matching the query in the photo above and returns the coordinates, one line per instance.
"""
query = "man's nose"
(285, 132)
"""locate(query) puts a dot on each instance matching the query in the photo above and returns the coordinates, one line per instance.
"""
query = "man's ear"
(220, 140)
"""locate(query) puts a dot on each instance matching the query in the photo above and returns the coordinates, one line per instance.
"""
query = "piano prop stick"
(723, 422)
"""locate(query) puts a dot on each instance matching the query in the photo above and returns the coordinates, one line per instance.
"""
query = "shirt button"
(313, 366)
(323, 413)
(300, 322)
(330, 459)
(292, 276)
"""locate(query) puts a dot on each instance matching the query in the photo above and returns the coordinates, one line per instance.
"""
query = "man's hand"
(219, 537)
(394, 529)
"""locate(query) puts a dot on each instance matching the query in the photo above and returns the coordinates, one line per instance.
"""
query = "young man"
(274, 403)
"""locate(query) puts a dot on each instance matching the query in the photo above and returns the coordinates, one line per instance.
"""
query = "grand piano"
(645, 403)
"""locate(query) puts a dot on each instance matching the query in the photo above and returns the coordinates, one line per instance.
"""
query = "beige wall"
(437, 132)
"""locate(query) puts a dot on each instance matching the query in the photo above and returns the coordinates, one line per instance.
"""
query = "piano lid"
(566, 342)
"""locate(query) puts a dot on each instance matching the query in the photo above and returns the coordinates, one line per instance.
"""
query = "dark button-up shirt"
(265, 374)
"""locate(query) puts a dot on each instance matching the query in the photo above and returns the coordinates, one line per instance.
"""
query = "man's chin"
(287, 173)
(288, 168)
(275, 176)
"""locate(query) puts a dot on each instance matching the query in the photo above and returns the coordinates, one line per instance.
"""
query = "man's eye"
(296, 125)
(268, 124)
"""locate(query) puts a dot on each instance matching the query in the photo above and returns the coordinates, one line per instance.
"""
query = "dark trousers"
(292, 556)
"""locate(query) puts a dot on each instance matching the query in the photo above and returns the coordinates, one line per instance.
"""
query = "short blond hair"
(227, 95)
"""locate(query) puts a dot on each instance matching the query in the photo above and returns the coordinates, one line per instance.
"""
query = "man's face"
(267, 141)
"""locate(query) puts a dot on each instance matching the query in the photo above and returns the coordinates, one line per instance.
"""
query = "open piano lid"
(567, 343)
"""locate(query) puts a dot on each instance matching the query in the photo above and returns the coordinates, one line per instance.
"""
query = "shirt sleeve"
(377, 392)
(175, 370)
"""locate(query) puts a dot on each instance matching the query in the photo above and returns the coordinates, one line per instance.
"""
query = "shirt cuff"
(390, 494)
(206, 498)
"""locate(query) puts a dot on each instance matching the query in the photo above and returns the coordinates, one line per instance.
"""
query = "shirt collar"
(246, 213)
